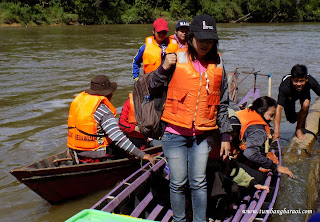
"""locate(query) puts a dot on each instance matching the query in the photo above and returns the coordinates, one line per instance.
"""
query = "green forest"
(88, 12)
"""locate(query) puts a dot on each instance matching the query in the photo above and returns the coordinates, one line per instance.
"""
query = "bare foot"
(262, 187)
(300, 135)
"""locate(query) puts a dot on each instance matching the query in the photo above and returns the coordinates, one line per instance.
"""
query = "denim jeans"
(187, 159)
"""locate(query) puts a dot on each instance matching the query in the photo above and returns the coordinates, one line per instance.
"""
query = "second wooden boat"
(57, 179)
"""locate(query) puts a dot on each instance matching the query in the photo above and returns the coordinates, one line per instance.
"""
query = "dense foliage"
(40, 12)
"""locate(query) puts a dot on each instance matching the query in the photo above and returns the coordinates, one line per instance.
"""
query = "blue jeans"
(187, 159)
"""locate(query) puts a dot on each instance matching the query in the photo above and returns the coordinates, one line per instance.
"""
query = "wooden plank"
(251, 207)
(142, 205)
(262, 198)
(126, 192)
(155, 212)
(242, 207)
(167, 217)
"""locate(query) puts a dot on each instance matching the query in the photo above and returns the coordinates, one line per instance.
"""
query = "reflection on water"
(43, 68)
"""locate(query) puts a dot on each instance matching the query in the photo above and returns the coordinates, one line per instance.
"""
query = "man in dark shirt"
(295, 86)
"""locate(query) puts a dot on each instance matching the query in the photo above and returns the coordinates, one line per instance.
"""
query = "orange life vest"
(172, 37)
(152, 54)
(247, 118)
(193, 97)
(131, 115)
(83, 132)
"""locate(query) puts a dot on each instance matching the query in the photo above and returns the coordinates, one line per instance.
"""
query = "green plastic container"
(91, 215)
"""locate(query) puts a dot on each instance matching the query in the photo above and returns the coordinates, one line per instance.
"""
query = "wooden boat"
(145, 193)
(56, 179)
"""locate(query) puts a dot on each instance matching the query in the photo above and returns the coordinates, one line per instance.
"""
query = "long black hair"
(262, 104)
(211, 55)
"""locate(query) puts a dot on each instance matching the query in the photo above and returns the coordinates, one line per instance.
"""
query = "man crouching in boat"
(92, 125)
(295, 86)
(254, 132)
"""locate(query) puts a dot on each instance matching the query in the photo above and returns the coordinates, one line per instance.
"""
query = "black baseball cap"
(204, 27)
(182, 23)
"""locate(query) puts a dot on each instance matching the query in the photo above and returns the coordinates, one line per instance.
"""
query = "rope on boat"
(161, 158)
(156, 157)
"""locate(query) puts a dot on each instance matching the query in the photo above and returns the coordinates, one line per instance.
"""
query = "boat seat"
(142, 205)
(167, 217)
(252, 206)
(130, 189)
(242, 207)
(155, 212)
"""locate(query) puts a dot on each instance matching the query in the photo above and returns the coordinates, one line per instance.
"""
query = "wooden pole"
(266, 147)
(269, 84)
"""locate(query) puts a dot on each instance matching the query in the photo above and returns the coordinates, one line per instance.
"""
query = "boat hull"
(145, 194)
(56, 184)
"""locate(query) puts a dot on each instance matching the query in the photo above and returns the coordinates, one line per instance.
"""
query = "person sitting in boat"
(295, 86)
(92, 125)
(180, 35)
(254, 132)
(192, 110)
(128, 124)
(156, 46)
(228, 183)
(227, 180)
(230, 167)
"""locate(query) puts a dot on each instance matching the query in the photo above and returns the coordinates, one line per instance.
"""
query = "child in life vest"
(255, 130)
(227, 180)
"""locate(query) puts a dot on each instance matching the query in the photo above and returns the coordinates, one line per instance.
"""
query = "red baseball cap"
(160, 25)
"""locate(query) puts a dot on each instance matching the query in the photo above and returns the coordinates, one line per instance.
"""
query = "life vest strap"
(87, 134)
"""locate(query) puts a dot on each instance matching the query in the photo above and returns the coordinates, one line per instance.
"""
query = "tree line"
(87, 12)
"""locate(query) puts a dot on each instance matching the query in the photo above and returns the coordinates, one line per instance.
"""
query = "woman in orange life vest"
(92, 125)
(128, 124)
(155, 47)
(196, 103)
(254, 132)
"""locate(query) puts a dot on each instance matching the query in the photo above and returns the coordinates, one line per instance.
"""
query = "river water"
(43, 68)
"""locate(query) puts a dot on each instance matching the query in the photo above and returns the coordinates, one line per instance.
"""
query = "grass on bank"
(24, 14)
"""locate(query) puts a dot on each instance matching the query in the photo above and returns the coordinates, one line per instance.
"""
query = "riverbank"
(36, 12)
(10, 25)
(19, 25)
